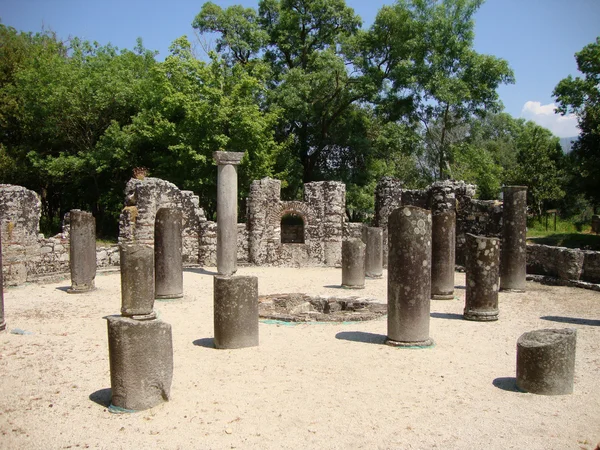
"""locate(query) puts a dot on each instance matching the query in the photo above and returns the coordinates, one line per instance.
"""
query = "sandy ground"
(311, 386)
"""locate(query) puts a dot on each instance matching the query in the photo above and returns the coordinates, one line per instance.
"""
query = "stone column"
(141, 363)
(513, 256)
(236, 311)
(137, 280)
(168, 263)
(353, 264)
(82, 251)
(483, 259)
(374, 252)
(2, 321)
(409, 277)
(227, 190)
(443, 242)
(546, 361)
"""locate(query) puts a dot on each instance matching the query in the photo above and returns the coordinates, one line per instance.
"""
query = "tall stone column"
(2, 321)
(513, 256)
(443, 255)
(409, 277)
(168, 262)
(227, 190)
(353, 264)
(483, 258)
(236, 311)
(374, 252)
(82, 251)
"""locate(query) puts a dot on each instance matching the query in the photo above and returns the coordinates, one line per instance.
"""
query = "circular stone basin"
(307, 308)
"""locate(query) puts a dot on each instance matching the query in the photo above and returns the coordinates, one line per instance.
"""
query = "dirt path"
(311, 386)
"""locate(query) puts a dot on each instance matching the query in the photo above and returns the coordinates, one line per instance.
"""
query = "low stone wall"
(564, 263)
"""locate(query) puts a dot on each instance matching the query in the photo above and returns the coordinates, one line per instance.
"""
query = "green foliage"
(581, 95)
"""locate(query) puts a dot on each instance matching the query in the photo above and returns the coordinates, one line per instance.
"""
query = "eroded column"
(546, 361)
(168, 263)
(227, 190)
(353, 264)
(374, 252)
(443, 255)
(236, 311)
(137, 279)
(513, 257)
(409, 277)
(140, 346)
(482, 270)
(82, 251)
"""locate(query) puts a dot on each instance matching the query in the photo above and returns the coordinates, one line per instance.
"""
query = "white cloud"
(561, 126)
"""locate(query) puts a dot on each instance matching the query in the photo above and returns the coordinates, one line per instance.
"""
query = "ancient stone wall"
(144, 197)
(20, 211)
(472, 216)
(563, 263)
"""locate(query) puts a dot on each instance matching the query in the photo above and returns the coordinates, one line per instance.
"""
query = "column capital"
(223, 158)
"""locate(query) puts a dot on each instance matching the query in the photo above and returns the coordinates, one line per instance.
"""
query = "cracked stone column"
(409, 277)
(546, 361)
(82, 251)
(353, 264)
(168, 262)
(236, 311)
(2, 320)
(137, 280)
(374, 252)
(482, 272)
(513, 257)
(443, 254)
(227, 191)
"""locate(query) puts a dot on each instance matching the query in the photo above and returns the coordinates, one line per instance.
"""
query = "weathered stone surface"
(443, 240)
(168, 263)
(20, 210)
(560, 262)
(591, 266)
(482, 278)
(82, 254)
(141, 362)
(409, 277)
(513, 258)
(374, 252)
(143, 198)
(2, 320)
(353, 264)
(546, 361)
(227, 190)
(236, 311)
(137, 279)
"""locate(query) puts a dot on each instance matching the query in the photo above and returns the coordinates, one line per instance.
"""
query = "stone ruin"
(313, 236)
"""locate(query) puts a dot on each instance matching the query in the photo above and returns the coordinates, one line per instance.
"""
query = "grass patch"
(105, 242)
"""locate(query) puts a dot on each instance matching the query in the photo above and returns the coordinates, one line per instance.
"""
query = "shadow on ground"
(205, 342)
(200, 270)
(573, 320)
(102, 397)
(63, 288)
(361, 336)
(451, 316)
(506, 384)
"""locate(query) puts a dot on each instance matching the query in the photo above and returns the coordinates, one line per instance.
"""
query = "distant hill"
(567, 143)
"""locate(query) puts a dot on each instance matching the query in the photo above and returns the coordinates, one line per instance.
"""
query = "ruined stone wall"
(564, 263)
(323, 215)
(472, 216)
(20, 211)
(143, 198)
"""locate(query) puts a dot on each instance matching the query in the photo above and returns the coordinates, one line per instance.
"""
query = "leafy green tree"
(425, 49)
(581, 95)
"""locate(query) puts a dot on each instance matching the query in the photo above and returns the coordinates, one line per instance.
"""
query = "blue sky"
(537, 37)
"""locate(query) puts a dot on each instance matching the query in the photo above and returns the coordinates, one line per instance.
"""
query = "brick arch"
(298, 208)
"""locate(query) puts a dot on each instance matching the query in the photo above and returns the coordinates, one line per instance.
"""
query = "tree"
(581, 95)
(425, 49)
